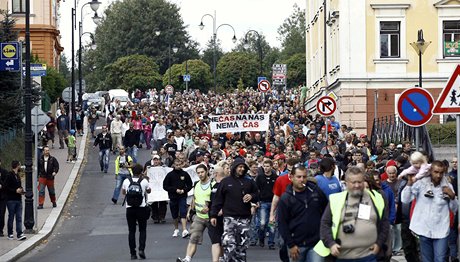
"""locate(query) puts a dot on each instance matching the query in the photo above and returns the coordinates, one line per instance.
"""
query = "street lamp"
(94, 6)
(186, 68)
(174, 49)
(420, 46)
(96, 19)
(214, 38)
(259, 46)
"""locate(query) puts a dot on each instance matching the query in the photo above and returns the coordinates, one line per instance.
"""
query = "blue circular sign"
(415, 106)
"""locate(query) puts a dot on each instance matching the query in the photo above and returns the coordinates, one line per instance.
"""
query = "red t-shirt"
(281, 184)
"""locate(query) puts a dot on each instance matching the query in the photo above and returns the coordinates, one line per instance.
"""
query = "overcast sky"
(264, 16)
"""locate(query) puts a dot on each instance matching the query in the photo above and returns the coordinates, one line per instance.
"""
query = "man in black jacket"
(131, 142)
(178, 183)
(234, 196)
(14, 192)
(104, 141)
(48, 167)
(300, 209)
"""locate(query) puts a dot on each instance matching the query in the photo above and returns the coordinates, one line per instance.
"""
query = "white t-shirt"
(144, 185)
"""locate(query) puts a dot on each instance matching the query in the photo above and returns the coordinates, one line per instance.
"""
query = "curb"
(53, 217)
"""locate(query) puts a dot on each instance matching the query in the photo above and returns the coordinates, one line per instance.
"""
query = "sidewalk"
(47, 217)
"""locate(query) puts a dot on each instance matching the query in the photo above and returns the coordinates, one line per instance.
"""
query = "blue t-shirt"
(328, 185)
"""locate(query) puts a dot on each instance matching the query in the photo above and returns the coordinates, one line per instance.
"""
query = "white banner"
(157, 175)
(239, 123)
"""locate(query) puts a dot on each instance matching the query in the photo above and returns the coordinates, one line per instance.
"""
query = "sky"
(264, 16)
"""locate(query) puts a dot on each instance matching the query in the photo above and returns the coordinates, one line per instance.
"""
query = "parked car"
(93, 100)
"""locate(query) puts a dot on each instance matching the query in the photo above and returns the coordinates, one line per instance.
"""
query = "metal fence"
(8, 135)
(392, 130)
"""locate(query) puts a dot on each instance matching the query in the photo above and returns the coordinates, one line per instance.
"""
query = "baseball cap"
(156, 157)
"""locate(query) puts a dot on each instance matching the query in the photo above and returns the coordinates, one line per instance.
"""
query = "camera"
(348, 229)
(121, 165)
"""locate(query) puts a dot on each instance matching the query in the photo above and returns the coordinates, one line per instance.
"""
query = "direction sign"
(326, 106)
(169, 89)
(264, 86)
(449, 100)
(9, 56)
(415, 106)
(35, 69)
(260, 78)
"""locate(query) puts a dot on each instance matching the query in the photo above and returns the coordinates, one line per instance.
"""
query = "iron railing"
(392, 130)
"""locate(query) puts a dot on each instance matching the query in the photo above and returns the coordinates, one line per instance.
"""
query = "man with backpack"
(123, 170)
(135, 190)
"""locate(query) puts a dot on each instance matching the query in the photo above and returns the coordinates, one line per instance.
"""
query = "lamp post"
(186, 69)
(29, 220)
(94, 6)
(174, 49)
(420, 46)
(259, 47)
(214, 38)
(96, 20)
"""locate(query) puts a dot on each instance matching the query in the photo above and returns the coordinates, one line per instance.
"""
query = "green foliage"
(13, 149)
(208, 53)
(258, 47)
(129, 28)
(133, 72)
(235, 66)
(53, 83)
(199, 71)
(443, 133)
(11, 106)
(292, 33)
(64, 69)
(296, 70)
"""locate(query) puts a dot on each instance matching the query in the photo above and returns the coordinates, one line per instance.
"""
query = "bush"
(443, 133)
(14, 150)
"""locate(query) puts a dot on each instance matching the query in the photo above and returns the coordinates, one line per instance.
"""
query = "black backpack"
(134, 194)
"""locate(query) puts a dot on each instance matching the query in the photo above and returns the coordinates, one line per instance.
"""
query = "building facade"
(360, 51)
(44, 27)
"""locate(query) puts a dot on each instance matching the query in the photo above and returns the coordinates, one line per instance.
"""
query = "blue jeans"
(132, 152)
(396, 234)
(104, 158)
(253, 230)
(433, 250)
(307, 254)
(14, 212)
(264, 217)
(119, 182)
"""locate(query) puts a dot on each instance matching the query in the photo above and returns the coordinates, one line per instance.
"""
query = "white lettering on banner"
(157, 175)
(239, 123)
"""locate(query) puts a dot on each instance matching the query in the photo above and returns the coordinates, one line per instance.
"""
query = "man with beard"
(234, 196)
(355, 223)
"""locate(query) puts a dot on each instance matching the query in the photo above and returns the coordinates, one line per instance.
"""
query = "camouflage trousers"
(235, 239)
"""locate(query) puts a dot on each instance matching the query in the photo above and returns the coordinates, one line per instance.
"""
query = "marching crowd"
(308, 186)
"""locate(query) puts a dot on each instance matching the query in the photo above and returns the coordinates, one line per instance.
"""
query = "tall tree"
(296, 73)
(11, 94)
(199, 71)
(208, 53)
(235, 66)
(133, 72)
(64, 69)
(292, 33)
(129, 27)
(256, 48)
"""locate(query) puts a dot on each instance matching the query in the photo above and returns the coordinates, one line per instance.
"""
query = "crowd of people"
(309, 186)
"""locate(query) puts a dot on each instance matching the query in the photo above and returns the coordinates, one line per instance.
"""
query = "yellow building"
(44, 27)
(360, 51)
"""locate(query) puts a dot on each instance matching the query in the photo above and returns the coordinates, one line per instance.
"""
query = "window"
(19, 6)
(451, 32)
(389, 39)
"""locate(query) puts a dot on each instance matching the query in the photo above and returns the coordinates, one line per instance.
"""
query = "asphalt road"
(92, 228)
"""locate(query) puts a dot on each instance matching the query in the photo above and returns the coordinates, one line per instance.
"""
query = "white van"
(121, 95)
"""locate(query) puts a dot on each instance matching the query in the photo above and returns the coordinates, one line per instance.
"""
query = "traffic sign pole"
(458, 156)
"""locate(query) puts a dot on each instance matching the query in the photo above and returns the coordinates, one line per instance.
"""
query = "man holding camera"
(123, 169)
(355, 223)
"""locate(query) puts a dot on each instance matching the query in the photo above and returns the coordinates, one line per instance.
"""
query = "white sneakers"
(185, 233)
(176, 233)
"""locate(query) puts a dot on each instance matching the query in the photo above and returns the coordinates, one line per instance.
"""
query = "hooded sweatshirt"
(229, 195)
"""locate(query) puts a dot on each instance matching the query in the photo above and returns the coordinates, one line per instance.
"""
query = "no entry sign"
(415, 106)
(326, 106)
